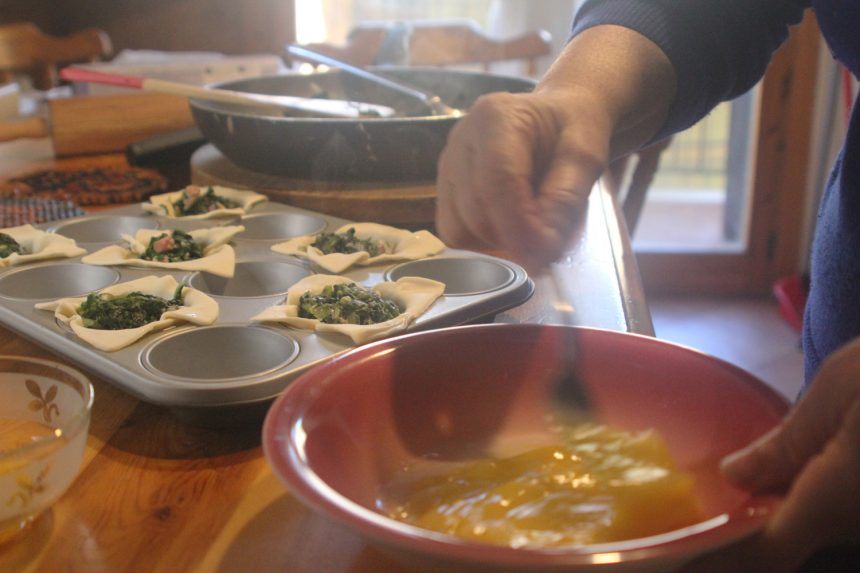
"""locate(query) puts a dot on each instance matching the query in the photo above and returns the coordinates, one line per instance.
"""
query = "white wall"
(512, 17)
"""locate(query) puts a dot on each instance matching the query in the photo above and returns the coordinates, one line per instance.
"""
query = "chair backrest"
(436, 43)
(638, 180)
(26, 50)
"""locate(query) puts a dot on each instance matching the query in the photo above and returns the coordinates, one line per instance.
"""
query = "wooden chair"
(26, 50)
(435, 43)
(632, 197)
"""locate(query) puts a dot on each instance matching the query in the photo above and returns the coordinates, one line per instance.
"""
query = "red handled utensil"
(316, 107)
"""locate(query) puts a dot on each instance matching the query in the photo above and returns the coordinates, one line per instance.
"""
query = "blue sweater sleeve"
(719, 48)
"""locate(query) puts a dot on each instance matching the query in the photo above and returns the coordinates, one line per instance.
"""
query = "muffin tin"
(234, 362)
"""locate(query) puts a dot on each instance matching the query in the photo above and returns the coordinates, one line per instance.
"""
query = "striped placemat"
(14, 212)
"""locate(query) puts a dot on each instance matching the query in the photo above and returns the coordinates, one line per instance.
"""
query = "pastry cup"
(218, 258)
(198, 308)
(39, 245)
(163, 204)
(402, 246)
(413, 295)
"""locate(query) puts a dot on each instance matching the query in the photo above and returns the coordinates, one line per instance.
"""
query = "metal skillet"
(401, 148)
(434, 103)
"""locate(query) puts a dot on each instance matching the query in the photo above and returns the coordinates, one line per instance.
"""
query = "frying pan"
(401, 148)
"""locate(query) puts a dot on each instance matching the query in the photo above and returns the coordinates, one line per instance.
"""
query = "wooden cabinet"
(228, 26)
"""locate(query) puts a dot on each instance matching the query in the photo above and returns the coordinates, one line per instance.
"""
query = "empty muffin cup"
(279, 226)
(56, 281)
(252, 279)
(461, 276)
(106, 229)
(221, 352)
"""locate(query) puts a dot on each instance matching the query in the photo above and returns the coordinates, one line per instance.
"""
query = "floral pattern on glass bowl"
(44, 420)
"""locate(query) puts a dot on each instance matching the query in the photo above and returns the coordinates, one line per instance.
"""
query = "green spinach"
(132, 310)
(8, 245)
(347, 242)
(173, 248)
(194, 202)
(347, 303)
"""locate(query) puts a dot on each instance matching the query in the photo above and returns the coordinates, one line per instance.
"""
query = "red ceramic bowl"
(345, 427)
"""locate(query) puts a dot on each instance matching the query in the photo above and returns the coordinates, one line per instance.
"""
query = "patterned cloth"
(95, 186)
(14, 212)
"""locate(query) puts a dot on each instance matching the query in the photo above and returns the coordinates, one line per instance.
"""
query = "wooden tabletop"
(159, 493)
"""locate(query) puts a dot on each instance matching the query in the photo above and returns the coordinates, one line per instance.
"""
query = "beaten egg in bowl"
(596, 485)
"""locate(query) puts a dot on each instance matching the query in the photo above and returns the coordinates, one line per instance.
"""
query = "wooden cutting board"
(408, 205)
(94, 124)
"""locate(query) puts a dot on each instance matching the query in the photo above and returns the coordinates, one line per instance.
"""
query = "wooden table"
(159, 494)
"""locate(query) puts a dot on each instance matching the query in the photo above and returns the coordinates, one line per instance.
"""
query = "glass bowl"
(44, 421)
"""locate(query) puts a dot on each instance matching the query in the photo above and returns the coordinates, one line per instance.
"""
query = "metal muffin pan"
(234, 362)
(103, 229)
(55, 280)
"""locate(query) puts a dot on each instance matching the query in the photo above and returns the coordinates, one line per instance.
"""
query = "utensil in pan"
(569, 390)
(399, 149)
(306, 106)
(433, 102)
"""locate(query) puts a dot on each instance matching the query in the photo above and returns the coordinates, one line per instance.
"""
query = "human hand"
(814, 455)
(518, 168)
(516, 173)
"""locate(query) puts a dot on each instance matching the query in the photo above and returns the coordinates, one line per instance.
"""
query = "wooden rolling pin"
(94, 124)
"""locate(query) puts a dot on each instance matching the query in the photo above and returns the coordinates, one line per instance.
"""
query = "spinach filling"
(347, 303)
(193, 202)
(8, 245)
(179, 246)
(347, 242)
(106, 312)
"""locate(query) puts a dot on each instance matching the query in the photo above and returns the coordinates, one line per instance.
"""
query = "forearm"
(717, 48)
(620, 74)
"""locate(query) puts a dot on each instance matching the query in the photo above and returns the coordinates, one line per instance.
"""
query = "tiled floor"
(748, 332)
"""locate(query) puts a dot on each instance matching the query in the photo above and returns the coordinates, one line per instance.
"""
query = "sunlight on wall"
(310, 21)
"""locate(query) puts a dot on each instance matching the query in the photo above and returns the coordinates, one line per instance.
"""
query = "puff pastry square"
(400, 245)
(163, 204)
(413, 295)
(218, 258)
(39, 245)
(198, 308)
